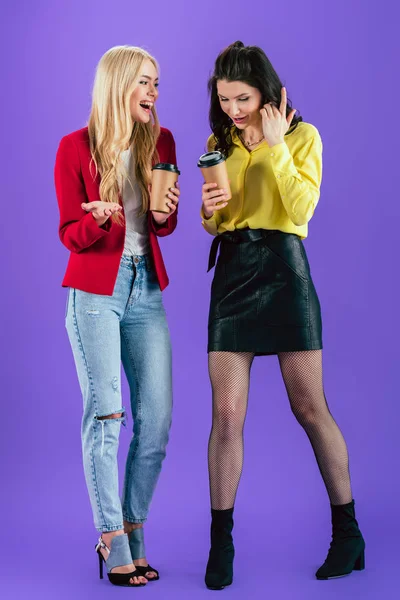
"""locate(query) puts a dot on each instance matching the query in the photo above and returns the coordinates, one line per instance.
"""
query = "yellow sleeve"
(299, 177)
(211, 224)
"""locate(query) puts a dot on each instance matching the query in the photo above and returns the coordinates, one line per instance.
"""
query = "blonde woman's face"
(145, 93)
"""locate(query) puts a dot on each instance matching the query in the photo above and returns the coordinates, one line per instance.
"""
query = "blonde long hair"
(112, 129)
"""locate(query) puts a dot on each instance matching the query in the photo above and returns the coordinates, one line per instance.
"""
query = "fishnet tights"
(230, 380)
(302, 375)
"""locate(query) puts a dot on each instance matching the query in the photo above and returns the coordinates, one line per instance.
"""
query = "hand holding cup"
(164, 191)
(213, 199)
(216, 189)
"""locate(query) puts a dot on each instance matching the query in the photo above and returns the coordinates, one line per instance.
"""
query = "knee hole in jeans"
(112, 416)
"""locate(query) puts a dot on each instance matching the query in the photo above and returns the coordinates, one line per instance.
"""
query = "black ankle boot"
(346, 553)
(219, 572)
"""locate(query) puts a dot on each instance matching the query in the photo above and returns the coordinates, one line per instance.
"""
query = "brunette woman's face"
(240, 102)
(145, 94)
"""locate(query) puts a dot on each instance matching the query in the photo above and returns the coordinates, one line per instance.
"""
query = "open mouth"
(147, 106)
(239, 119)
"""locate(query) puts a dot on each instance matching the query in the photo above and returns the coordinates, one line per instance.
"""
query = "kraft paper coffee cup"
(164, 176)
(213, 168)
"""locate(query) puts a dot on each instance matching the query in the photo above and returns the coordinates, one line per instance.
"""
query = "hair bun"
(237, 44)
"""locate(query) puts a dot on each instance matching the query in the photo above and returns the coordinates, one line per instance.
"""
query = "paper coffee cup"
(164, 176)
(213, 168)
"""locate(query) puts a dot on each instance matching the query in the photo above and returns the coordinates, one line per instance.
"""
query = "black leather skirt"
(263, 299)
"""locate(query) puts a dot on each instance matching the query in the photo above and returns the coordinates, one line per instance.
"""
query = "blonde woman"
(115, 313)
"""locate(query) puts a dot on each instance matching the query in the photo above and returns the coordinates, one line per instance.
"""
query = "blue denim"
(129, 326)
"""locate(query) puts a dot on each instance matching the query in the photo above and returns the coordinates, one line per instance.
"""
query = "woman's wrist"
(100, 220)
(159, 220)
(204, 214)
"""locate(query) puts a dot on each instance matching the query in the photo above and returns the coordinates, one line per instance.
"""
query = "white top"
(136, 235)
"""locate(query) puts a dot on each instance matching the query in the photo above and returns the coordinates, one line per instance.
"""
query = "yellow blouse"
(272, 188)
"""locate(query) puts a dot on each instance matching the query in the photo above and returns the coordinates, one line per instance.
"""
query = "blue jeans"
(130, 326)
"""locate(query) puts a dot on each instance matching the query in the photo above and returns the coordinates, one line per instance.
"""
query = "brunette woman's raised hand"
(274, 122)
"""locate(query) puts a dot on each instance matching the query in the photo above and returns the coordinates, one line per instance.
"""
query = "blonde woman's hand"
(174, 194)
(101, 211)
(274, 122)
(213, 199)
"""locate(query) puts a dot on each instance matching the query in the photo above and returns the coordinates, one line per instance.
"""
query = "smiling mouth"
(146, 105)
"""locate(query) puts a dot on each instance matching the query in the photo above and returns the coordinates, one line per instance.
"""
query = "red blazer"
(96, 251)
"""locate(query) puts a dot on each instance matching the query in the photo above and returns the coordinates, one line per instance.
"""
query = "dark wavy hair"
(250, 65)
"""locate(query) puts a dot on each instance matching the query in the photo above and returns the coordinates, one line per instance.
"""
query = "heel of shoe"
(100, 565)
(359, 565)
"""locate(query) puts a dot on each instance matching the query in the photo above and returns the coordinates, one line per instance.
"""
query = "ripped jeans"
(130, 326)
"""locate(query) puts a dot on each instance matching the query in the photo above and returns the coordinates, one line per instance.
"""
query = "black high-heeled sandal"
(136, 544)
(118, 555)
(148, 569)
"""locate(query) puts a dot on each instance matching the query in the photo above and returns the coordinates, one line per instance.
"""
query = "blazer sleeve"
(78, 229)
(170, 224)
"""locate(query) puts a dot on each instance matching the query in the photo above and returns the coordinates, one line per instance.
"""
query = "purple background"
(340, 64)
